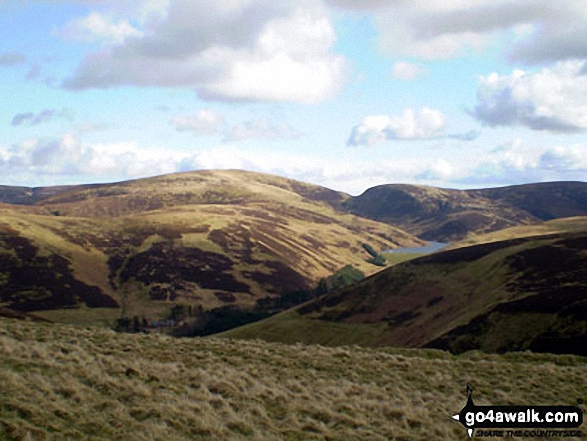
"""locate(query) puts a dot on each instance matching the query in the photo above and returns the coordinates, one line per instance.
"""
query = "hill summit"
(200, 239)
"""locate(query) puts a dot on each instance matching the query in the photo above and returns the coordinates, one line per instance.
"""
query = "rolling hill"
(512, 295)
(205, 238)
(446, 215)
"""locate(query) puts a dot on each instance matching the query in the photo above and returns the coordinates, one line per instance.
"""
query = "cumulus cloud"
(43, 116)
(256, 50)
(205, 122)
(423, 124)
(553, 99)
(542, 31)
(565, 160)
(261, 128)
(11, 58)
(518, 162)
(68, 156)
(98, 27)
(402, 70)
(439, 170)
(69, 159)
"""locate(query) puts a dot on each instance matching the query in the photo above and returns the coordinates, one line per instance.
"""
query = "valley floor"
(64, 382)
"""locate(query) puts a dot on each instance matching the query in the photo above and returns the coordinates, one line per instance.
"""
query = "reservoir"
(430, 248)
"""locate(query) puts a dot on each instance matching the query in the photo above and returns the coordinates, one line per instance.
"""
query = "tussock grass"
(60, 382)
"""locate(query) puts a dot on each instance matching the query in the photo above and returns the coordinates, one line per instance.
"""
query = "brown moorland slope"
(518, 294)
(427, 212)
(205, 238)
(447, 215)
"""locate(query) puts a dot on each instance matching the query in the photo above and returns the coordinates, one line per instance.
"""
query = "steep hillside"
(518, 294)
(63, 382)
(447, 215)
(545, 200)
(201, 239)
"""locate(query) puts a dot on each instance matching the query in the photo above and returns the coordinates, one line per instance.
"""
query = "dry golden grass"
(59, 382)
(569, 224)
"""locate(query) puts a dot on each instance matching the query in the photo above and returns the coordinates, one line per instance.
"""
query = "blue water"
(430, 248)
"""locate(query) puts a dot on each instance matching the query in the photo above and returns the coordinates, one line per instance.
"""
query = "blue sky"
(343, 93)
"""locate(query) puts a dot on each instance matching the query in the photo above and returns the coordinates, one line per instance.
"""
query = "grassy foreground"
(63, 382)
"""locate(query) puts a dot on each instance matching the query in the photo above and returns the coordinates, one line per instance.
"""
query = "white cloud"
(69, 160)
(542, 31)
(253, 50)
(205, 122)
(402, 70)
(68, 157)
(424, 124)
(518, 162)
(565, 159)
(553, 99)
(439, 170)
(98, 27)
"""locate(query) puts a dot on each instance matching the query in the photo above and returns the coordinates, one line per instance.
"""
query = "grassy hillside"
(527, 293)
(203, 239)
(59, 382)
(564, 225)
(448, 215)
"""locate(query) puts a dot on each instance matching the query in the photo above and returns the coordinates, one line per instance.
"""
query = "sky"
(347, 94)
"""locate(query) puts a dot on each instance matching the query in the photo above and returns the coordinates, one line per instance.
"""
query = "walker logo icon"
(518, 419)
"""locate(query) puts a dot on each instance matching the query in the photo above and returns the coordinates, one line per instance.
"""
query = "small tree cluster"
(376, 258)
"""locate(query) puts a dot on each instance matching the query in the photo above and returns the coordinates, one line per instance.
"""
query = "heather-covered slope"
(527, 293)
(201, 239)
(447, 215)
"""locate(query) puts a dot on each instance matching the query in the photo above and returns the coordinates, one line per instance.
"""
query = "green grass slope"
(200, 239)
(526, 293)
(60, 382)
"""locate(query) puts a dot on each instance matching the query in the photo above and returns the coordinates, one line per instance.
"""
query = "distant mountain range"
(430, 213)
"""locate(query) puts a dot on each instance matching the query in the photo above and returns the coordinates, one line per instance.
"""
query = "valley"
(204, 239)
(204, 252)
(312, 329)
